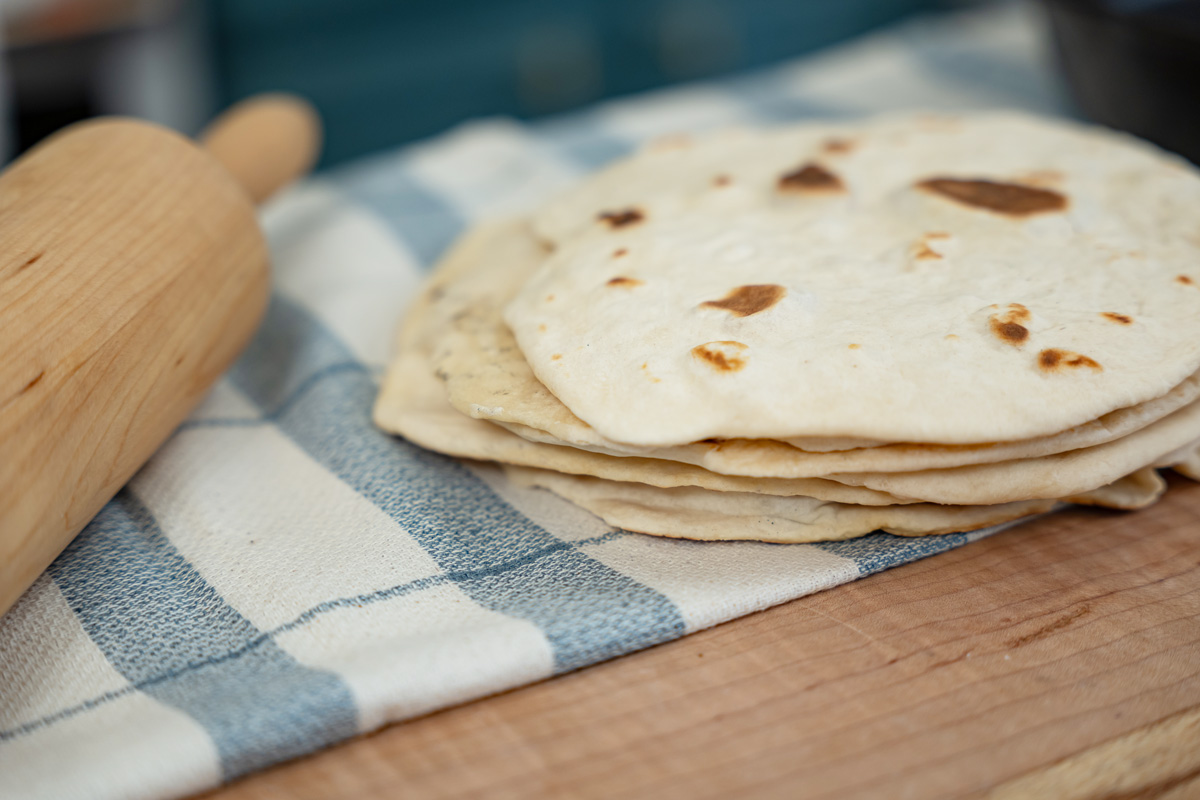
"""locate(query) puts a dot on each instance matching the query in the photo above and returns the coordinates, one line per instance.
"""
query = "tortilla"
(961, 280)
(692, 513)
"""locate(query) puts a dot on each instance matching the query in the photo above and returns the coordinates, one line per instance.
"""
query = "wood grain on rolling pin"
(1060, 659)
(131, 273)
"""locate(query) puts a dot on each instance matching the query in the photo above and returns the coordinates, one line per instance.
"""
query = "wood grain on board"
(1060, 659)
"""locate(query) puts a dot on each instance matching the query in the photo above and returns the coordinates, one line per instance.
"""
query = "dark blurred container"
(1135, 65)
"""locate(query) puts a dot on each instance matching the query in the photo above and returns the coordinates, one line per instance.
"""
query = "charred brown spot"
(620, 219)
(721, 180)
(1184, 279)
(542, 328)
(556, 357)
(924, 251)
(1007, 325)
(937, 235)
(619, 252)
(34, 382)
(623, 282)
(721, 356)
(549, 298)
(1014, 199)
(1055, 360)
(838, 145)
(811, 177)
(29, 262)
(854, 346)
(1123, 319)
(1011, 332)
(746, 300)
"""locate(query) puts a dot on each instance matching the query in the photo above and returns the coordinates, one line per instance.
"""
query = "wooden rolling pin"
(132, 272)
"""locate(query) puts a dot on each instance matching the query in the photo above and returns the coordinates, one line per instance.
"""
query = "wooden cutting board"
(1060, 659)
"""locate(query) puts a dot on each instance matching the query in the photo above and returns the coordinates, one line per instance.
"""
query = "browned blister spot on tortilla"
(746, 300)
(1011, 332)
(721, 180)
(556, 357)
(542, 328)
(623, 282)
(721, 356)
(621, 219)
(1006, 325)
(811, 177)
(620, 251)
(1123, 319)
(837, 145)
(1056, 360)
(1013, 199)
(937, 235)
(854, 346)
(1184, 279)
(924, 252)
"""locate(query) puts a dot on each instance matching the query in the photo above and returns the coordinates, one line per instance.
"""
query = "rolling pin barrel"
(132, 273)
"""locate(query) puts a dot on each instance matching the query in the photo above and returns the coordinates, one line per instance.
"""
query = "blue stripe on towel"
(588, 611)
(881, 551)
(1008, 79)
(425, 223)
(169, 633)
(582, 139)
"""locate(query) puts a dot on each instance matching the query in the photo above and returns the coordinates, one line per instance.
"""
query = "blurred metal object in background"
(1135, 65)
(72, 59)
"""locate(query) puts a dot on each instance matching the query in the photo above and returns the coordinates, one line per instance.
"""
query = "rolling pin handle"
(265, 142)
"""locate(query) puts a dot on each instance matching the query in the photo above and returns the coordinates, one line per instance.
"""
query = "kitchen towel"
(282, 575)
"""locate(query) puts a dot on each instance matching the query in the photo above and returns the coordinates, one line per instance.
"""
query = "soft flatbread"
(964, 280)
(693, 513)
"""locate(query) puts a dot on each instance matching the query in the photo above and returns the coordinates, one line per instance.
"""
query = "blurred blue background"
(384, 72)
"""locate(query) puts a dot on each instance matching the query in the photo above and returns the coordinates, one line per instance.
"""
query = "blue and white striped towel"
(282, 575)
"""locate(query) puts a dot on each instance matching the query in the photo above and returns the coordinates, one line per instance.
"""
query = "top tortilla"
(963, 280)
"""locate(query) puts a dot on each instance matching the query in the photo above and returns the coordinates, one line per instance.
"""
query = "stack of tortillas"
(915, 324)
